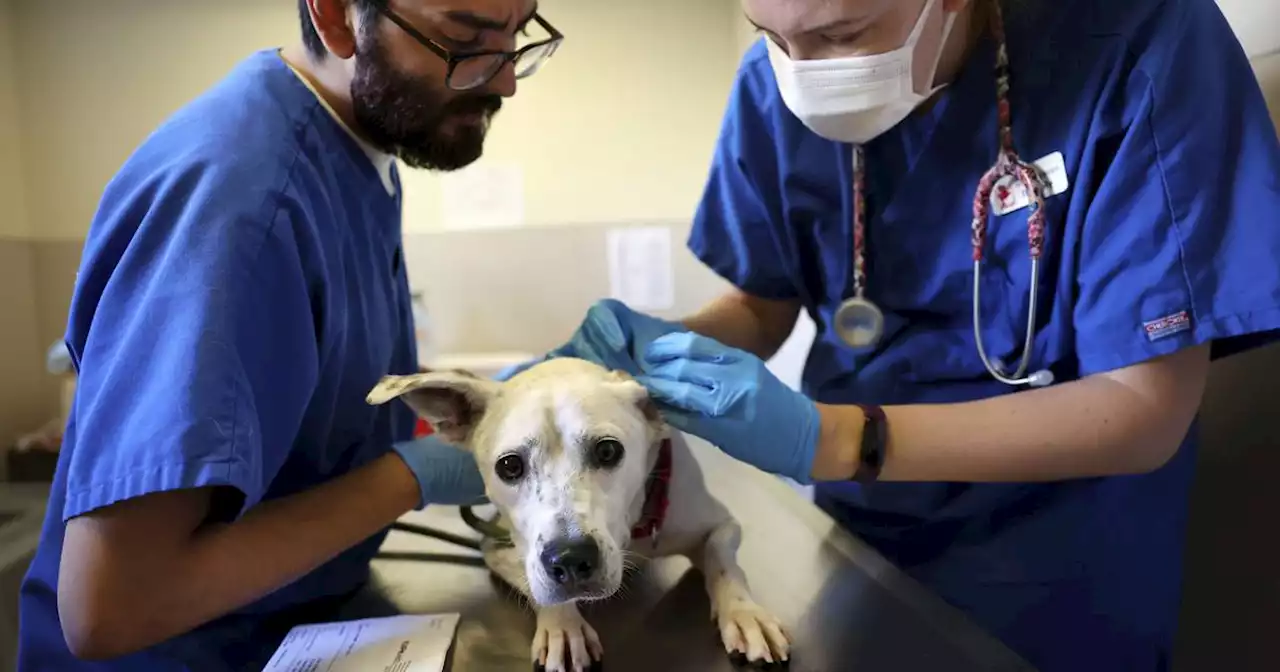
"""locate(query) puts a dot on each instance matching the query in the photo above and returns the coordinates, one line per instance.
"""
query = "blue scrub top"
(241, 290)
(1173, 211)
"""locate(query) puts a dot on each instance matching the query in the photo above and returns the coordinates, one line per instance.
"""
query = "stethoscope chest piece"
(859, 323)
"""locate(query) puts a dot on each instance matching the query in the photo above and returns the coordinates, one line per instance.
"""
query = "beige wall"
(1256, 23)
(744, 34)
(616, 128)
(13, 214)
(619, 126)
(1268, 71)
(27, 395)
(624, 143)
(88, 97)
(20, 347)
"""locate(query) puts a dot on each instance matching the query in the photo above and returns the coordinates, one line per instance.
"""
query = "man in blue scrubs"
(242, 289)
(1054, 516)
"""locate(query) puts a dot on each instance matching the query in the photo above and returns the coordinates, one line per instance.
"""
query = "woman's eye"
(608, 453)
(510, 468)
(841, 40)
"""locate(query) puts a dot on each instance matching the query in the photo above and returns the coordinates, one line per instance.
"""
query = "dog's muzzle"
(574, 565)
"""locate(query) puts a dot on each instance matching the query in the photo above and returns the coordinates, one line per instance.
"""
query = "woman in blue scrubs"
(1052, 514)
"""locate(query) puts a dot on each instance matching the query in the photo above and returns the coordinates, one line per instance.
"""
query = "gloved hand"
(612, 335)
(615, 336)
(728, 397)
(509, 372)
(445, 474)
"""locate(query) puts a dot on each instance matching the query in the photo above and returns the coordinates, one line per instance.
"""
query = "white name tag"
(1008, 195)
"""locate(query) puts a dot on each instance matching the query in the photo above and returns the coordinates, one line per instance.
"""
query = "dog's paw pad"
(754, 637)
(566, 643)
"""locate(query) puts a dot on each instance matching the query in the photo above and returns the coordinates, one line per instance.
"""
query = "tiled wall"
(527, 289)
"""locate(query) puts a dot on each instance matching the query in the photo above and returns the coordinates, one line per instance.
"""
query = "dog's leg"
(748, 632)
(563, 641)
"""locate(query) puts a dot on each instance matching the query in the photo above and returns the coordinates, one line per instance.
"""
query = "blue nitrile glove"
(509, 372)
(615, 336)
(445, 474)
(611, 335)
(728, 397)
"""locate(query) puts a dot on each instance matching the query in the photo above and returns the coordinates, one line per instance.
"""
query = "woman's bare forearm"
(1129, 421)
(739, 320)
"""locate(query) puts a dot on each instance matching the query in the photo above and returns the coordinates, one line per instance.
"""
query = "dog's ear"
(630, 388)
(452, 401)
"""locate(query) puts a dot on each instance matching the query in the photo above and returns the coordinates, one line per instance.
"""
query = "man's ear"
(333, 23)
(452, 401)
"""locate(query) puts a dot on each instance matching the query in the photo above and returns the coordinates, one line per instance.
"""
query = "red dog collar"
(656, 497)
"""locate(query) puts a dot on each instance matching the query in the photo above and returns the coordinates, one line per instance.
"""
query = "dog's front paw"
(753, 636)
(565, 642)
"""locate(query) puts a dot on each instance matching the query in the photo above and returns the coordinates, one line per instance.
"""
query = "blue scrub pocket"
(943, 345)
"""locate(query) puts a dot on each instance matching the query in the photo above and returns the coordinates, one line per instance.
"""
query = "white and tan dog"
(587, 477)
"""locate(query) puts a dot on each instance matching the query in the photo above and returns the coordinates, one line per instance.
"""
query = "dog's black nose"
(570, 561)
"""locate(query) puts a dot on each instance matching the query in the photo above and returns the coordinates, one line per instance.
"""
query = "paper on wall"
(395, 644)
(641, 274)
(483, 195)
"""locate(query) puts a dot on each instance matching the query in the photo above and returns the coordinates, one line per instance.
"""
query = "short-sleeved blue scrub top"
(241, 290)
(1167, 237)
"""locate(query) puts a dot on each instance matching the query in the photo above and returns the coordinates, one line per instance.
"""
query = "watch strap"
(871, 452)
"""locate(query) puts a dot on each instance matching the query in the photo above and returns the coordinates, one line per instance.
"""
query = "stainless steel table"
(847, 607)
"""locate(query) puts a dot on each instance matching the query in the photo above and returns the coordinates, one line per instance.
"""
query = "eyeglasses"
(474, 69)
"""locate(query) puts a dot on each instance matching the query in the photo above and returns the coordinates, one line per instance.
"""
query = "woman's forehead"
(798, 17)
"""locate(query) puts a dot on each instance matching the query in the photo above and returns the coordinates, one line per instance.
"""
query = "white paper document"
(641, 274)
(483, 195)
(396, 644)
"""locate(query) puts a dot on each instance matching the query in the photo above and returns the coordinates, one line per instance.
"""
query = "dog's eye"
(510, 468)
(607, 453)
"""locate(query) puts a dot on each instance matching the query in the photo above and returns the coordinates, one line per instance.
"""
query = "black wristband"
(871, 452)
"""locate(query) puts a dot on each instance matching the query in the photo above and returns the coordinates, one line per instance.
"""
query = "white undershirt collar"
(382, 161)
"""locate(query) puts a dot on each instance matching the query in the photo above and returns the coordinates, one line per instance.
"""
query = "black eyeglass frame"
(452, 60)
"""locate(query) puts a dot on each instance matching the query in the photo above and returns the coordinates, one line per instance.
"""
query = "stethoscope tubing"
(1018, 377)
(489, 530)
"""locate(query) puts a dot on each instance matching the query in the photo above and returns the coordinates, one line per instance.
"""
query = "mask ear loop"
(1007, 165)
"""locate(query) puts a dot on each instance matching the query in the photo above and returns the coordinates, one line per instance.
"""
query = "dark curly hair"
(311, 38)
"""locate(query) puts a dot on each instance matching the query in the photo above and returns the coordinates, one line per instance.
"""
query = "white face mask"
(857, 98)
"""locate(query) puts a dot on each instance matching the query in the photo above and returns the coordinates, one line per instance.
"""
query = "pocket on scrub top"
(947, 351)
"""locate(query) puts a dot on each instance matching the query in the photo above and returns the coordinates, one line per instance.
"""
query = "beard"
(407, 116)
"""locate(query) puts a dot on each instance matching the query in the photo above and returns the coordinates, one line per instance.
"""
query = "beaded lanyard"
(1008, 164)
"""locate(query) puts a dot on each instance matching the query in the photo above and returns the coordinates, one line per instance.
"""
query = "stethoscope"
(859, 322)
(491, 531)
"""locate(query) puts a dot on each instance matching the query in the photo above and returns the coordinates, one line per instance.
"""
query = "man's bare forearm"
(758, 326)
(223, 567)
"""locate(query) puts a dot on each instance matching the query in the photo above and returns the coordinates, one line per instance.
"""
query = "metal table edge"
(947, 619)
